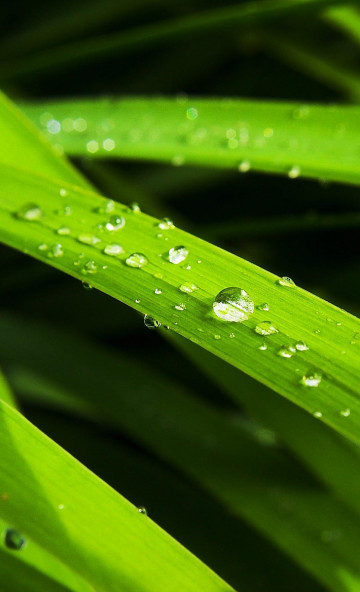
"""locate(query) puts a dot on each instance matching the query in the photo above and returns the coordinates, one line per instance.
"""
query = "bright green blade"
(230, 18)
(314, 141)
(86, 524)
(345, 18)
(259, 484)
(321, 377)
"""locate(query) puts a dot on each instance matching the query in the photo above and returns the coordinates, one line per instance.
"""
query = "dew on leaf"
(88, 239)
(311, 379)
(244, 166)
(266, 328)
(113, 250)
(286, 281)
(151, 323)
(294, 172)
(30, 212)
(13, 539)
(301, 346)
(56, 251)
(345, 412)
(142, 510)
(157, 291)
(137, 260)
(165, 224)
(180, 306)
(90, 267)
(233, 304)
(115, 223)
(134, 207)
(264, 307)
(188, 287)
(177, 254)
(63, 231)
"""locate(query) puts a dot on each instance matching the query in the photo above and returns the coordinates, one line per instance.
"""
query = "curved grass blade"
(259, 484)
(219, 19)
(97, 533)
(322, 378)
(316, 141)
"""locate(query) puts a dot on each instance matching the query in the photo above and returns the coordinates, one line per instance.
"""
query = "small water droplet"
(63, 231)
(265, 307)
(294, 172)
(137, 260)
(317, 414)
(88, 239)
(151, 323)
(233, 304)
(165, 224)
(217, 337)
(192, 113)
(137, 300)
(263, 347)
(61, 506)
(108, 144)
(92, 146)
(345, 412)
(113, 250)
(157, 291)
(115, 223)
(142, 510)
(43, 247)
(311, 378)
(177, 254)
(56, 251)
(90, 267)
(180, 306)
(67, 211)
(86, 286)
(13, 539)
(134, 207)
(232, 335)
(286, 281)
(244, 166)
(286, 351)
(63, 192)
(266, 328)
(30, 212)
(53, 126)
(301, 346)
(188, 287)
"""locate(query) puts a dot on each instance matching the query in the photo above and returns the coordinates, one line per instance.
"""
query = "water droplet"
(301, 346)
(177, 254)
(108, 144)
(53, 126)
(30, 212)
(233, 304)
(90, 267)
(232, 335)
(192, 113)
(244, 166)
(165, 224)
(265, 307)
(13, 539)
(294, 172)
(345, 412)
(56, 251)
(43, 247)
(317, 414)
(61, 506)
(67, 211)
(188, 287)
(286, 281)
(217, 337)
(134, 207)
(180, 306)
(92, 146)
(286, 351)
(136, 260)
(157, 291)
(115, 223)
(113, 250)
(266, 328)
(63, 231)
(151, 323)
(263, 347)
(88, 239)
(63, 192)
(142, 510)
(86, 286)
(311, 378)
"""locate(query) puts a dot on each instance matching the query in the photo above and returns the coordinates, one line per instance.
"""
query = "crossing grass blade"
(314, 141)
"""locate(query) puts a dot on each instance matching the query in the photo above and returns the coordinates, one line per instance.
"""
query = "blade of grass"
(259, 484)
(330, 333)
(97, 533)
(314, 141)
(223, 19)
(345, 18)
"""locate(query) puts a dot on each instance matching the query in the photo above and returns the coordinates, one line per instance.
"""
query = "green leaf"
(315, 141)
(83, 522)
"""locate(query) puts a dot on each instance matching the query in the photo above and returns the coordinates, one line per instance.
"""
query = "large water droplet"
(136, 260)
(311, 378)
(13, 539)
(266, 328)
(30, 212)
(286, 281)
(151, 323)
(113, 250)
(177, 254)
(233, 304)
(115, 223)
